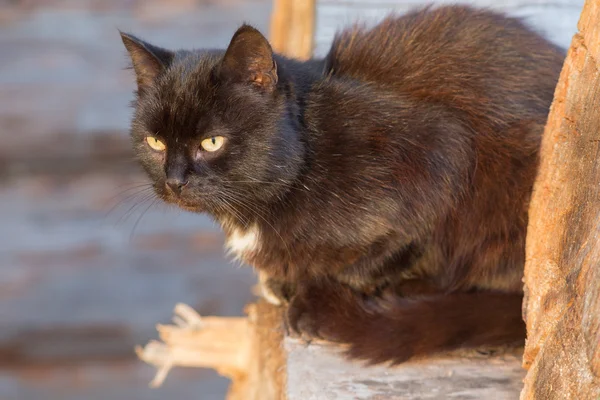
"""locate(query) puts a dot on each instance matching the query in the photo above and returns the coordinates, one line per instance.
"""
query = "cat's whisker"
(125, 216)
(135, 225)
(260, 182)
(236, 214)
(129, 189)
(138, 191)
(137, 196)
(131, 185)
(131, 209)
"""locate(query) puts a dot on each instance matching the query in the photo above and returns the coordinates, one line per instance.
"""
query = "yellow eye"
(155, 144)
(213, 143)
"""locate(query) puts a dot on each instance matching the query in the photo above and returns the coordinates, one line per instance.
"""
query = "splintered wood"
(562, 273)
(211, 342)
(248, 350)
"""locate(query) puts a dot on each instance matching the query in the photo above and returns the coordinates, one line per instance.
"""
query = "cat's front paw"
(314, 311)
(303, 317)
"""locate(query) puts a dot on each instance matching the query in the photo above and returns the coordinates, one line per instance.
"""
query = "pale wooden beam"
(293, 28)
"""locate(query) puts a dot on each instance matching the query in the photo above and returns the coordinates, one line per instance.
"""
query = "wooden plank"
(562, 274)
(292, 27)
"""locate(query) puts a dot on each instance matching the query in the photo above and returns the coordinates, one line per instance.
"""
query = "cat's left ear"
(148, 60)
(249, 59)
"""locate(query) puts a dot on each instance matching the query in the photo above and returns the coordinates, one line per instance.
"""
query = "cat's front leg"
(328, 309)
(315, 310)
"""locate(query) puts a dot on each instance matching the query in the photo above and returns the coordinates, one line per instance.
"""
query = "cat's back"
(456, 54)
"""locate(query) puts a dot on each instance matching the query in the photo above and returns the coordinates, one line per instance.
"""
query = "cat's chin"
(194, 209)
(184, 205)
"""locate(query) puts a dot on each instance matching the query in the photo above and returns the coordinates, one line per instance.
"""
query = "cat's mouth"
(181, 202)
(187, 205)
(194, 208)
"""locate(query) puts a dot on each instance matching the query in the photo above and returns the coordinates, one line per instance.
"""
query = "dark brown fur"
(391, 179)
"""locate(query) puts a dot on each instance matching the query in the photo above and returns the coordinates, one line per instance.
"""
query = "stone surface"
(562, 274)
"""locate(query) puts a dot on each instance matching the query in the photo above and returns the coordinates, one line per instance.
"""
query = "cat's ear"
(148, 60)
(249, 59)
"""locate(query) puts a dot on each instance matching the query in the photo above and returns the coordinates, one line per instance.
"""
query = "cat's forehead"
(189, 77)
(183, 96)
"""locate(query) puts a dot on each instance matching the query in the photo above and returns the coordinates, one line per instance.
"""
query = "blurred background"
(79, 287)
(88, 263)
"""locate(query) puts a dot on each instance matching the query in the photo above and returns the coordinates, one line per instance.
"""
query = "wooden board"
(292, 27)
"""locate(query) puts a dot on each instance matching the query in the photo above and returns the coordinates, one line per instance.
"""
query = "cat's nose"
(176, 185)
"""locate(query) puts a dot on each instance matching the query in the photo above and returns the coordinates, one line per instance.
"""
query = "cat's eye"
(155, 144)
(212, 143)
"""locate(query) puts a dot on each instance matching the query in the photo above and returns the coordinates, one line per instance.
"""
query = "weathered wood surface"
(319, 372)
(562, 273)
(556, 19)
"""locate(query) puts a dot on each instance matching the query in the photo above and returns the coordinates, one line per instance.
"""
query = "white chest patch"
(241, 242)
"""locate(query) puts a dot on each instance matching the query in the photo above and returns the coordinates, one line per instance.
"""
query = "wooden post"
(292, 27)
(248, 350)
(562, 273)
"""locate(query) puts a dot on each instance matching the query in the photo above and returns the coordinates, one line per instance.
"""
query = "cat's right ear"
(249, 59)
(148, 60)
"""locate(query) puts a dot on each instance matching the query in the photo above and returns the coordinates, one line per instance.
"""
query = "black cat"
(382, 191)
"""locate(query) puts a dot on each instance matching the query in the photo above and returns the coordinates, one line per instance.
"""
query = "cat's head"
(214, 128)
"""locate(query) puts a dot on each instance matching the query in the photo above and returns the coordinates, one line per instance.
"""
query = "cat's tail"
(399, 328)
